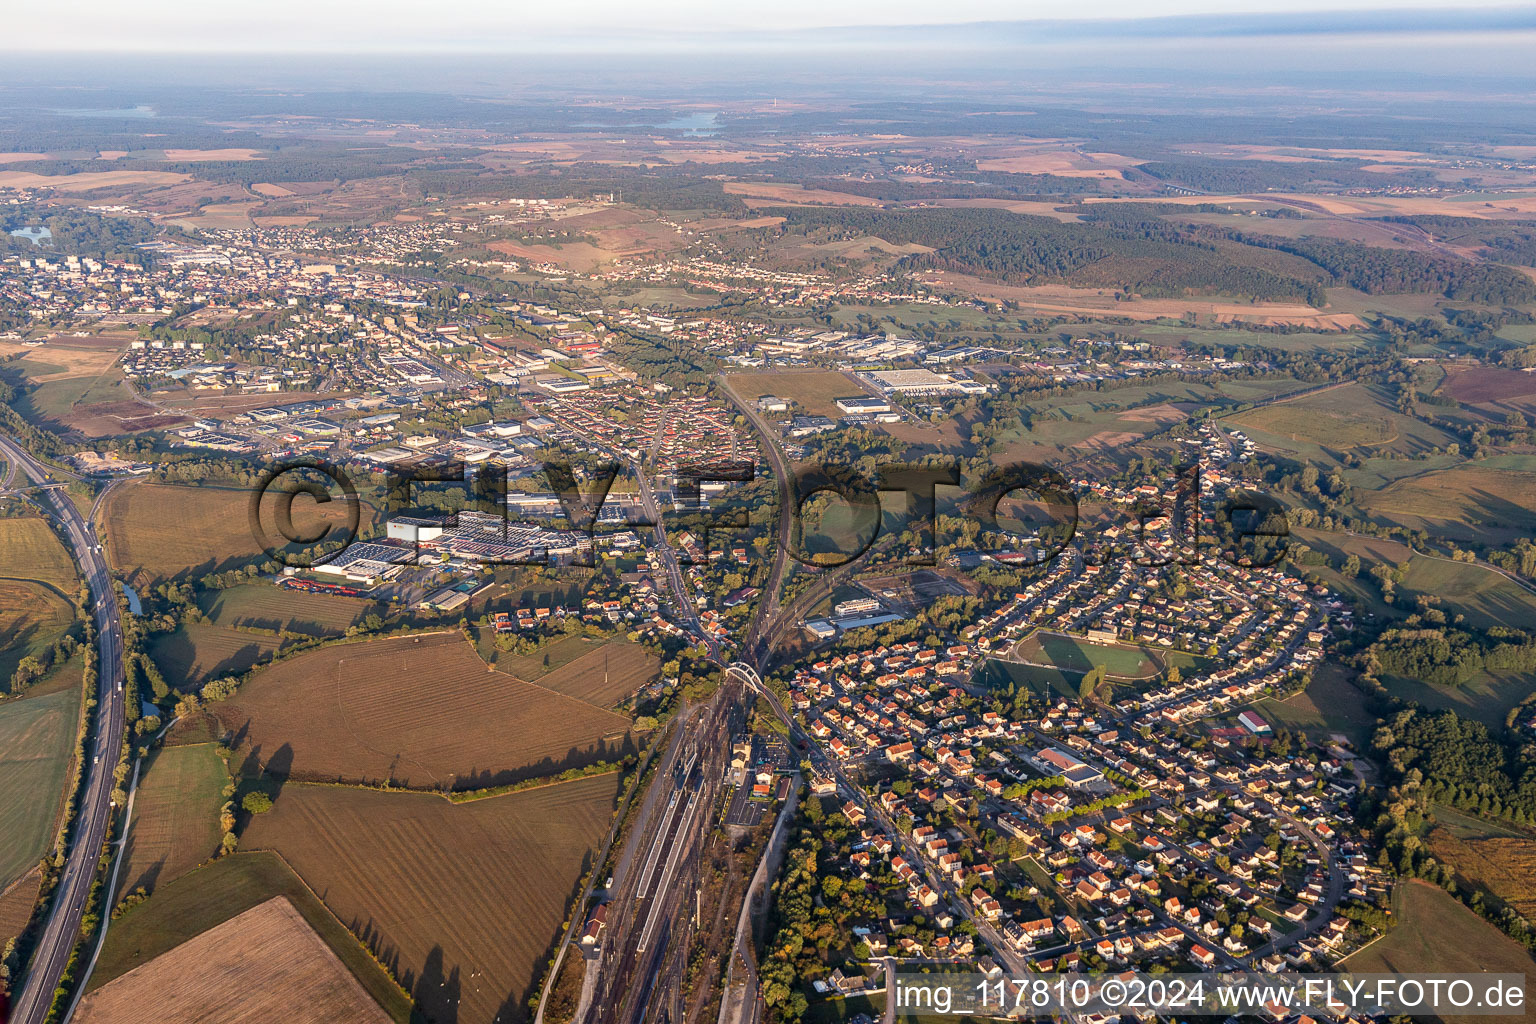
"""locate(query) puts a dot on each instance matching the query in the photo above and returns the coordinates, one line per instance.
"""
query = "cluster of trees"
(77, 232)
(1450, 657)
(1459, 762)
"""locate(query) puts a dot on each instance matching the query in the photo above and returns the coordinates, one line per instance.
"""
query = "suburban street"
(94, 807)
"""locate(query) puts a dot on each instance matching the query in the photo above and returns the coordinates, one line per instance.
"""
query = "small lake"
(36, 235)
(134, 604)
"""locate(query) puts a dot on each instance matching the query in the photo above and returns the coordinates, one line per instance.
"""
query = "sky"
(383, 26)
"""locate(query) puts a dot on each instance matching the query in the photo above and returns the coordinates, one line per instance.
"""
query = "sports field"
(266, 964)
(37, 741)
(195, 653)
(188, 907)
(462, 899)
(175, 816)
(424, 711)
(1071, 654)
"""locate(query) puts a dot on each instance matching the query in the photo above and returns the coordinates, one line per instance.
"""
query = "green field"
(37, 741)
(175, 816)
(209, 896)
(1462, 501)
(1485, 698)
(30, 550)
(200, 651)
(1482, 595)
(1354, 416)
(32, 618)
(270, 607)
(1330, 704)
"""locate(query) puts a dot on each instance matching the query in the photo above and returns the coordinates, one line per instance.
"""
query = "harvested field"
(182, 910)
(605, 675)
(29, 550)
(423, 711)
(269, 607)
(814, 391)
(88, 181)
(1435, 933)
(196, 155)
(795, 195)
(201, 651)
(1478, 384)
(37, 742)
(461, 901)
(175, 816)
(213, 529)
(1501, 865)
(16, 903)
(219, 976)
(32, 618)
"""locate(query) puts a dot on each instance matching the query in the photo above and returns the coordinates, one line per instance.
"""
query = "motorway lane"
(95, 805)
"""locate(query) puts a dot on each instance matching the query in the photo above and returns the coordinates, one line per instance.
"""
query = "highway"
(94, 807)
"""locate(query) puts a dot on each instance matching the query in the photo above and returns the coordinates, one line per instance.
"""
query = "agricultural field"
(1352, 416)
(195, 653)
(175, 816)
(1485, 698)
(423, 711)
(29, 550)
(32, 618)
(1485, 597)
(1460, 501)
(462, 901)
(37, 742)
(212, 528)
(1435, 933)
(814, 391)
(218, 976)
(546, 658)
(190, 906)
(269, 607)
(1491, 856)
(606, 674)
(1492, 389)
(16, 903)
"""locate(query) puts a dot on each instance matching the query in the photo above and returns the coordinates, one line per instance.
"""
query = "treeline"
(1207, 175)
(1148, 256)
(1449, 657)
(1375, 270)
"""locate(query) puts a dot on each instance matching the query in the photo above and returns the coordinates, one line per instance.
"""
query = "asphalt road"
(94, 812)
